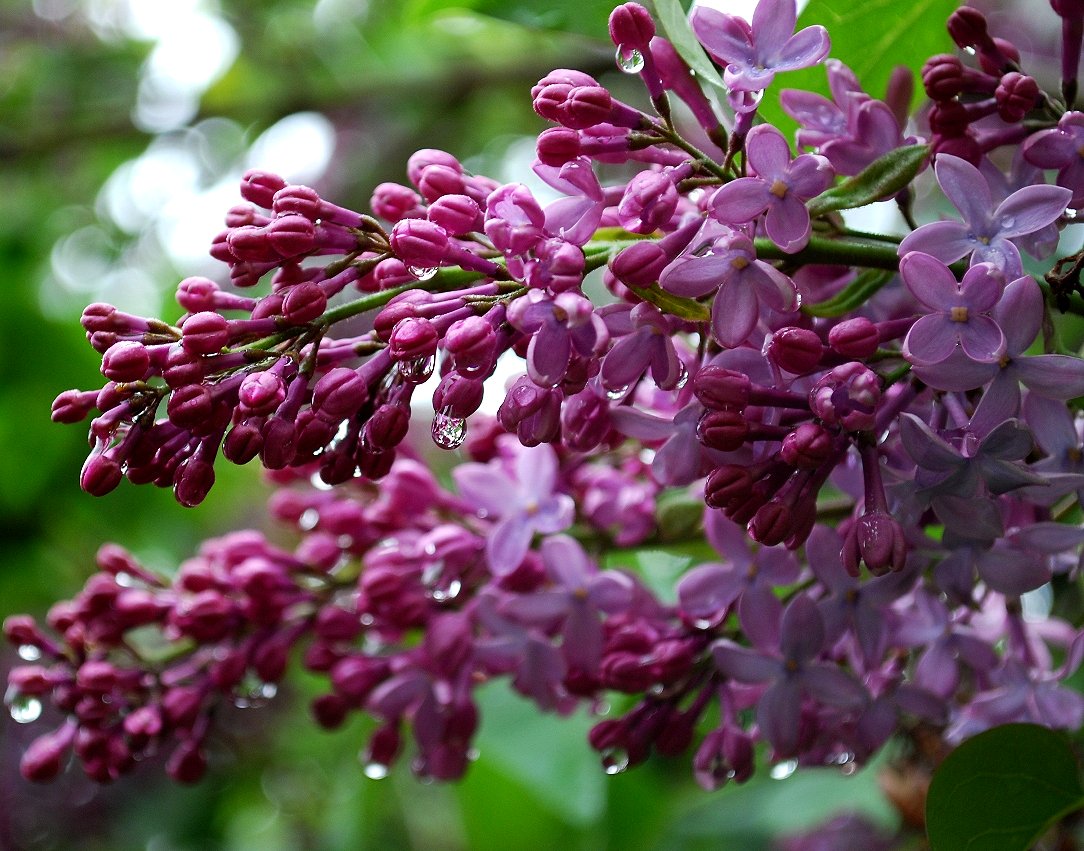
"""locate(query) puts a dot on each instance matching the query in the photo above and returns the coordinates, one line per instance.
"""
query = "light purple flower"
(959, 312)
(725, 262)
(987, 231)
(1061, 147)
(753, 53)
(576, 217)
(558, 326)
(780, 189)
(644, 343)
(522, 505)
(824, 120)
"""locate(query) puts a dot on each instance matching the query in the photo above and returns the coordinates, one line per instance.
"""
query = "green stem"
(835, 252)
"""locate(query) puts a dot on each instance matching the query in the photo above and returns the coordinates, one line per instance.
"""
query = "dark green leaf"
(885, 176)
(872, 38)
(857, 293)
(682, 308)
(586, 17)
(1001, 790)
(675, 26)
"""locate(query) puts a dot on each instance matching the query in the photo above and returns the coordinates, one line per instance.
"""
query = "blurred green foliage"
(392, 77)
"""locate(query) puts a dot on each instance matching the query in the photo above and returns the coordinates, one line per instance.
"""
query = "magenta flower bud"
(354, 677)
(334, 623)
(245, 214)
(73, 406)
(291, 235)
(419, 243)
(205, 333)
(967, 27)
(126, 361)
(949, 118)
(877, 539)
(182, 367)
(394, 202)
(44, 758)
(413, 338)
(242, 443)
(339, 393)
(436, 181)
(797, 350)
(144, 723)
(557, 146)
(251, 244)
(187, 764)
(100, 475)
(1016, 96)
(22, 629)
(856, 338)
(261, 392)
(190, 406)
(94, 675)
(772, 524)
(384, 746)
(426, 157)
(717, 388)
(392, 272)
(260, 187)
(32, 680)
(807, 447)
(181, 706)
(388, 426)
(847, 396)
(456, 214)
(996, 60)
(457, 396)
(472, 343)
(304, 303)
(193, 481)
(727, 484)
(298, 200)
(943, 76)
(329, 711)
(197, 294)
(722, 430)
(631, 27)
(648, 203)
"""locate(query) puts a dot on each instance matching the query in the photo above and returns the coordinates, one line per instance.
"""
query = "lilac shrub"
(872, 440)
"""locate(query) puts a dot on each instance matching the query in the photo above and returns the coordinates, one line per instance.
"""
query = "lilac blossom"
(959, 312)
(724, 262)
(987, 232)
(523, 503)
(576, 217)
(643, 345)
(751, 53)
(558, 326)
(780, 189)
(1060, 147)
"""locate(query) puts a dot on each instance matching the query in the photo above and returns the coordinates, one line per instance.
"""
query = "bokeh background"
(124, 127)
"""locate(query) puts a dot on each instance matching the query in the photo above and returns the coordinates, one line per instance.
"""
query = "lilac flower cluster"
(878, 465)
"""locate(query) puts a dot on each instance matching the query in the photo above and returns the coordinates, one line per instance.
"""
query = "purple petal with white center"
(690, 276)
(981, 339)
(966, 188)
(787, 223)
(768, 152)
(931, 339)
(744, 665)
(1053, 376)
(759, 612)
(801, 634)
(734, 313)
(779, 713)
(740, 201)
(929, 280)
(830, 685)
(948, 241)
(806, 47)
(1020, 314)
(725, 37)
(508, 543)
(773, 23)
(1030, 208)
(487, 488)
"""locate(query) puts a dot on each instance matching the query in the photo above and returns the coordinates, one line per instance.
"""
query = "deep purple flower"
(522, 504)
(988, 231)
(780, 188)
(1061, 147)
(752, 53)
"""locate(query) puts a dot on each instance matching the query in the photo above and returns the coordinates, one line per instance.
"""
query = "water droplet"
(846, 763)
(1007, 221)
(683, 376)
(24, 708)
(375, 770)
(308, 519)
(422, 273)
(319, 483)
(614, 760)
(473, 754)
(783, 770)
(29, 653)
(449, 592)
(704, 623)
(630, 61)
(618, 393)
(448, 432)
(418, 370)
(1070, 213)
(124, 580)
(252, 692)
(969, 50)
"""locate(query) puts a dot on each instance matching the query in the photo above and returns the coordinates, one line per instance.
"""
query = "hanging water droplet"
(422, 273)
(418, 370)
(450, 592)
(124, 580)
(375, 770)
(617, 393)
(846, 763)
(29, 653)
(1070, 213)
(969, 50)
(308, 519)
(783, 770)
(1007, 221)
(252, 692)
(448, 432)
(24, 708)
(630, 61)
(683, 376)
(614, 760)
(319, 483)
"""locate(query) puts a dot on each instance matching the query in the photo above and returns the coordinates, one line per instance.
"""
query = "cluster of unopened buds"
(879, 454)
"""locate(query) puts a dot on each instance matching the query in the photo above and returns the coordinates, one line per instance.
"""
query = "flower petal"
(768, 152)
(931, 339)
(1030, 208)
(787, 223)
(929, 280)
(507, 544)
(734, 314)
(773, 24)
(727, 38)
(740, 201)
(690, 276)
(966, 188)
(947, 241)
(487, 487)
(981, 339)
(806, 47)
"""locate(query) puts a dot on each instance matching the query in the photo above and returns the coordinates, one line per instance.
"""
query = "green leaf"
(857, 293)
(885, 176)
(675, 26)
(679, 513)
(872, 38)
(682, 308)
(1001, 790)
(586, 17)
